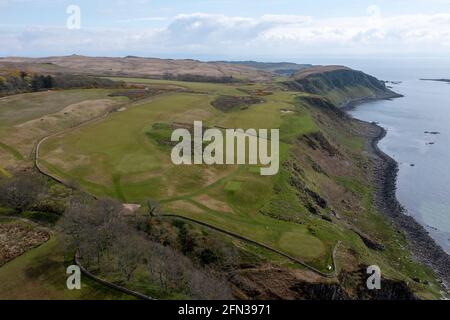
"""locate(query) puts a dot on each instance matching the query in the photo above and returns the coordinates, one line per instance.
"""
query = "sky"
(227, 29)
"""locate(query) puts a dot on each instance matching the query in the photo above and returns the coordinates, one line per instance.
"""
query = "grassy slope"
(25, 118)
(40, 274)
(227, 89)
(395, 261)
(20, 108)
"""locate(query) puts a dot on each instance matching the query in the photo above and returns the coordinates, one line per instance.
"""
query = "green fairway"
(121, 157)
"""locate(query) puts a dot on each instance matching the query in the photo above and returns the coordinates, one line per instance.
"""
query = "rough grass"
(40, 274)
(229, 89)
(25, 118)
(28, 106)
(4, 173)
(16, 154)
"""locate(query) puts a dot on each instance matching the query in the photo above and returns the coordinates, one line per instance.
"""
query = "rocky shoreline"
(384, 174)
(353, 103)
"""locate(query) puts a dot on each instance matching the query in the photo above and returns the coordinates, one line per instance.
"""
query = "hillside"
(137, 67)
(278, 68)
(343, 86)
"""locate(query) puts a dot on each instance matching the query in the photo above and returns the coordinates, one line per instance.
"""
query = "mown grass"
(122, 157)
(293, 239)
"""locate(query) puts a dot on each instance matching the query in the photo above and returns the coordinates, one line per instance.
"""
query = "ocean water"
(423, 185)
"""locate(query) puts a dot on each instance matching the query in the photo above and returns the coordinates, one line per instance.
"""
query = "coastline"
(384, 173)
(353, 103)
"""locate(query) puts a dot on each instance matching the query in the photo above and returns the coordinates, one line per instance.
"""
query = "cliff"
(343, 86)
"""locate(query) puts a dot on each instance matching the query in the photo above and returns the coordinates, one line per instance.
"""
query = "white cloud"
(217, 35)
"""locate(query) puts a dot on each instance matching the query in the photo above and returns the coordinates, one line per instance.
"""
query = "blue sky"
(228, 29)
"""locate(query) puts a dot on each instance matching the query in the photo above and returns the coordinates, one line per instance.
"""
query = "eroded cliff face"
(330, 172)
(274, 283)
(344, 87)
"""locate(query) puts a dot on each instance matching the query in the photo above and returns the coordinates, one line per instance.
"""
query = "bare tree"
(176, 273)
(21, 191)
(97, 230)
(206, 285)
(129, 249)
(153, 207)
(92, 226)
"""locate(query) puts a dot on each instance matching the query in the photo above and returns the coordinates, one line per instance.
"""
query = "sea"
(418, 134)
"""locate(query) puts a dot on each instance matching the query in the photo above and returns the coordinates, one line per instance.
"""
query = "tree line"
(106, 241)
(14, 82)
(147, 254)
(199, 78)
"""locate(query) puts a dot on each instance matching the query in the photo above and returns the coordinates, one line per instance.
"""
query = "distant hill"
(279, 68)
(130, 66)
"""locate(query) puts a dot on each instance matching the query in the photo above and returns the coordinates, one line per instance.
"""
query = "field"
(25, 118)
(126, 155)
(121, 157)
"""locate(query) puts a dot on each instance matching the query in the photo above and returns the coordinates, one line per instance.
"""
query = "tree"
(97, 230)
(92, 227)
(204, 285)
(176, 273)
(21, 191)
(129, 249)
(153, 207)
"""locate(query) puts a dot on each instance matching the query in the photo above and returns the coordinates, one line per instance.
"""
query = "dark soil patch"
(230, 103)
(138, 94)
